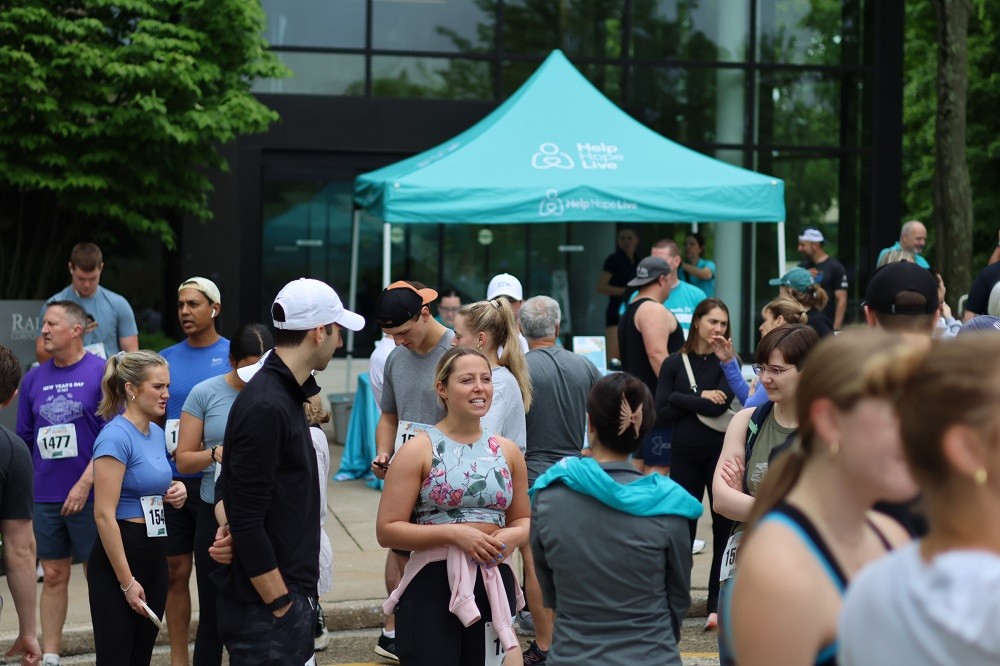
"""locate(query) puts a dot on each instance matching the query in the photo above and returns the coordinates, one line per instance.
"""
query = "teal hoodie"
(653, 495)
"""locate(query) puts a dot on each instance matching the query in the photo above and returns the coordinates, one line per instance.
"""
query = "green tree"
(113, 111)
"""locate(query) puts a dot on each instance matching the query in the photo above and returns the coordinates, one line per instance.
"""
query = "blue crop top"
(147, 471)
(467, 483)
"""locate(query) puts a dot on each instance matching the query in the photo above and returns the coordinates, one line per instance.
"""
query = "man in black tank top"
(646, 326)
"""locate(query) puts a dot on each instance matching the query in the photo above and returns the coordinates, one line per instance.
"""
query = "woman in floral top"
(456, 495)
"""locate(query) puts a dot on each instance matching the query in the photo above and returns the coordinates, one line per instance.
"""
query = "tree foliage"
(111, 113)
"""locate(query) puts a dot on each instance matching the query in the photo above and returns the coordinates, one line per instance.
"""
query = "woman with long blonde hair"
(489, 327)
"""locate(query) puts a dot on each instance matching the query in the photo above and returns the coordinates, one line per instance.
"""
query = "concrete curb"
(340, 616)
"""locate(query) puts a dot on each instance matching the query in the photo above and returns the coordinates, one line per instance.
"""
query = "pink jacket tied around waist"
(462, 580)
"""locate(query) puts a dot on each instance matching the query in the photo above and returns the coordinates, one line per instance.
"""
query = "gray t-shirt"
(408, 383)
(561, 382)
(210, 402)
(506, 415)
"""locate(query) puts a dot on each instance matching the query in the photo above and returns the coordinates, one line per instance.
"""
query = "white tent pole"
(352, 297)
(781, 248)
(386, 253)
(694, 227)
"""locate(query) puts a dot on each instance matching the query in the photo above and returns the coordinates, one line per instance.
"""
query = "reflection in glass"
(459, 26)
(606, 78)
(323, 23)
(705, 30)
(799, 108)
(682, 103)
(441, 78)
(809, 32)
(589, 28)
(317, 74)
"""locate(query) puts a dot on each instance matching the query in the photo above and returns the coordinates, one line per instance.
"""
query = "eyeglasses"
(773, 370)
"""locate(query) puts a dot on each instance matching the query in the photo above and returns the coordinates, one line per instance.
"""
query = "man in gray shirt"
(555, 425)
(409, 402)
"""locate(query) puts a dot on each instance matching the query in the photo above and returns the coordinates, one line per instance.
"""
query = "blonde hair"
(814, 297)
(121, 369)
(315, 413)
(496, 318)
(892, 256)
(447, 365)
(856, 364)
(788, 309)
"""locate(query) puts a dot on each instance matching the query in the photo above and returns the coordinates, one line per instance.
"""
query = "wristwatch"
(279, 602)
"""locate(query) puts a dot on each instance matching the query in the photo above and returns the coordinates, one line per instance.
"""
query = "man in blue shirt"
(912, 237)
(113, 328)
(684, 297)
(203, 355)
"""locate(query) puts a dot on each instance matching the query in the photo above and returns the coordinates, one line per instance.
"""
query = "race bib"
(153, 514)
(56, 442)
(97, 349)
(494, 650)
(406, 431)
(173, 427)
(728, 567)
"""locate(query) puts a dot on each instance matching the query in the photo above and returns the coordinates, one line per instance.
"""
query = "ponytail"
(121, 369)
(496, 318)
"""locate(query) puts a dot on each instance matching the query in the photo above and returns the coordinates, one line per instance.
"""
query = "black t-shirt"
(831, 275)
(622, 269)
(16, 485)
(979, 295)
(820, 322)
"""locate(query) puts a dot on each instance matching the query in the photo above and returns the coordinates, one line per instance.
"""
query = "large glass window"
(323, 23)
(442, 25)
(799, 108)
(407, 76)
(806, 32)
(587, 28)
(690, 29)
(317, 74)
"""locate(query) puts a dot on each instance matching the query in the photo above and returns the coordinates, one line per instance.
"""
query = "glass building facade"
(805, 90)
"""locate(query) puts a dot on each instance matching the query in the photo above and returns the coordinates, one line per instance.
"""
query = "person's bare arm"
(700, 273)
(727, 501)
(840, 295)
(655, 323)
(129, 344)
(108, 476)
(191, 455)
(19, 557)
(385, 438)
(995, 257)
(604, 285)
(80, 492)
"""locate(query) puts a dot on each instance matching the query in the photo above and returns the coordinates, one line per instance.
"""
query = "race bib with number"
(406, 431)
(154, 515)
(494, 650)
(729, 556)
(57, 441)
(173, 427)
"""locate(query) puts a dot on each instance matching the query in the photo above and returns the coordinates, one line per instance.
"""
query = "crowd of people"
(494, 440)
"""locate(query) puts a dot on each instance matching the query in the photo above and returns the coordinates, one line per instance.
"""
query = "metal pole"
(781, 248)
(352, 297)
(386, 253)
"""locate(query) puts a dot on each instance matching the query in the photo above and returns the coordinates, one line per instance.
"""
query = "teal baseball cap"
(798, 279)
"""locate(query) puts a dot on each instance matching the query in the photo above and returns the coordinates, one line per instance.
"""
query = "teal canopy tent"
(560, 151)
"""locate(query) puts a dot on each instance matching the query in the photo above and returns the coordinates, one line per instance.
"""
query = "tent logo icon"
(551, 205)
(550, 157)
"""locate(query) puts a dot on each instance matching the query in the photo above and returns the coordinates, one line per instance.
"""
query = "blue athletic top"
(467, 483)
(147, 471)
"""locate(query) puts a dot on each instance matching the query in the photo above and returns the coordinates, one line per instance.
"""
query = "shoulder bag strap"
(690, 374)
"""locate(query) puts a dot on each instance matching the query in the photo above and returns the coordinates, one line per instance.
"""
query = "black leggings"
(122, 636)
(207, 644)
(428, 634)
(693, 468)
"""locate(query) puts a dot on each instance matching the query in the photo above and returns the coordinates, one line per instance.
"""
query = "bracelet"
(126, 589)
(212, 453)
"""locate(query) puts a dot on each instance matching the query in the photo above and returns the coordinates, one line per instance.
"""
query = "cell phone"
(381, 465)
(151, 615)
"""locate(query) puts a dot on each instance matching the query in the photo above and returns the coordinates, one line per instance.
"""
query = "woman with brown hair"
(940, 589)
(691, 386)
(811, 527)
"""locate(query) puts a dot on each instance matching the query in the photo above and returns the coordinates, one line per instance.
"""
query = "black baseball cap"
(891, 280)
(400, 302)
(648, 270)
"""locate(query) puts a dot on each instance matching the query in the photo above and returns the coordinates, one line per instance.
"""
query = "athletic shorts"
(181, 523)
(58, 537)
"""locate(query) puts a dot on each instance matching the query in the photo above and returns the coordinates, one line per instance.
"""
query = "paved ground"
(352, 607)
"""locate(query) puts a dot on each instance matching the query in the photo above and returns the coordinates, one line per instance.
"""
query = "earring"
(834, 449)
(132, 397)
(979, 476)
(479, 346)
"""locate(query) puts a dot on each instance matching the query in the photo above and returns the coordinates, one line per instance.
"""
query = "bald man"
(912, 237)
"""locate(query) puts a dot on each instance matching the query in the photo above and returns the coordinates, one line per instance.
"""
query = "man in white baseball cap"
(270, 483)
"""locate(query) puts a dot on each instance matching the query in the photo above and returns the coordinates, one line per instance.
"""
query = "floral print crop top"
(467, 483)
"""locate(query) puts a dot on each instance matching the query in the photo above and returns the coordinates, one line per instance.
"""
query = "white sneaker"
(50, 659)
(697, 546)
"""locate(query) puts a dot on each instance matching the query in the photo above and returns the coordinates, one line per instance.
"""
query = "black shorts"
(182, 522)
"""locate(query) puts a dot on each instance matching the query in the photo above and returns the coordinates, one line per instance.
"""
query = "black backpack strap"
(757, 419)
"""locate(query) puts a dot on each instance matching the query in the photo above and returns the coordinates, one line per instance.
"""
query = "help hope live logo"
(589, 156)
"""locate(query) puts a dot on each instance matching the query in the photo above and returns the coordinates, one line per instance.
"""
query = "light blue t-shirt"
(707, 286)
(189, 366)
(896, 246)
(112, 313)
(210, 402)
(147, 471)
(683, 299)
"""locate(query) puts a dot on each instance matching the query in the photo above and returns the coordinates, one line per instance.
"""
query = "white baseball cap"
(811, 235)
(205, 286)
(307, 303)
(505, 284)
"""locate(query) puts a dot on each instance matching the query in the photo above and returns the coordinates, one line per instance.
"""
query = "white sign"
(553, 205)
(591, 156)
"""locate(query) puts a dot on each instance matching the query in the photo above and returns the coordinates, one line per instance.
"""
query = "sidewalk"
(358, 581)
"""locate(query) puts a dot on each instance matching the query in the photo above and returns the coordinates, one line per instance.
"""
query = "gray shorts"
(58, 537)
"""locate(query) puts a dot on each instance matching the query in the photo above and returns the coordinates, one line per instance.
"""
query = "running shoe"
(321, 637)
(535, 655)
(386, 647)
(697, 546)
